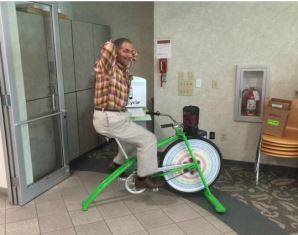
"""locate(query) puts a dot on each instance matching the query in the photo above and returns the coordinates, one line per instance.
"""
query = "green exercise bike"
(189, 165)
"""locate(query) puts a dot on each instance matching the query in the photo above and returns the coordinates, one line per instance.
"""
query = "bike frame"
(131, 163)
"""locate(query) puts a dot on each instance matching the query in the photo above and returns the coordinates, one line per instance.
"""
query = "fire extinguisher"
(249, 102)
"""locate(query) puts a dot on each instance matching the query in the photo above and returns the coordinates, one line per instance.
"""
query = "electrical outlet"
(198, 83)
(211, 135)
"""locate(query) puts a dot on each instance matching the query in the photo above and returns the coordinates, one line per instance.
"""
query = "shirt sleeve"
(107, 59)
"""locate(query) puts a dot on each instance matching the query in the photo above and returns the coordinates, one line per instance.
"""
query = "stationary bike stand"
(132, 161)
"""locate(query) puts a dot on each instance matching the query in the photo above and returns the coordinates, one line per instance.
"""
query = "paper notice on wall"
(163, 49)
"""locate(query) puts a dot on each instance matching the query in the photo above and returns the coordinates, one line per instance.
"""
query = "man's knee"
(150, 139)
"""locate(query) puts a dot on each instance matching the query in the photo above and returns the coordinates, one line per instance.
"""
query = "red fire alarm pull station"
(163, 67)
(163, 53)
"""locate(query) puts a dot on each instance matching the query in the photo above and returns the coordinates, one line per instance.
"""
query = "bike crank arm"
(178, 167)
(172, 169)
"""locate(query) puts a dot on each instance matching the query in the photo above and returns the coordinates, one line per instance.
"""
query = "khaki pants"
(118, 125)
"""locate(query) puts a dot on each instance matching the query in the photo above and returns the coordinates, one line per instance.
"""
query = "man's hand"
(134, 55)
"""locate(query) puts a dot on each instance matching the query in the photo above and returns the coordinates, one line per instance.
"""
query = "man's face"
(125, 53)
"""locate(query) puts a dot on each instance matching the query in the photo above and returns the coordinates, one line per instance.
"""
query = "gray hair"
(119, 41)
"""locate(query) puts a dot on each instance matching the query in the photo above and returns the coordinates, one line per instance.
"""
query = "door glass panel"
(44, 155)
(37, 53)
(40, 92)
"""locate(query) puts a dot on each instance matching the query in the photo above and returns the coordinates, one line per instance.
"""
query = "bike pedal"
(122, 178)
(155, 189)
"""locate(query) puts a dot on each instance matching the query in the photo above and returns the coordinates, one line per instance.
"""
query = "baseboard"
(3, 191)
(263, 166)
(251, 165)
(247, 165)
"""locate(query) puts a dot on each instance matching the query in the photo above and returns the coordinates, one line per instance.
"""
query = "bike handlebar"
(157, 113)
(167, 125)
(153, 113)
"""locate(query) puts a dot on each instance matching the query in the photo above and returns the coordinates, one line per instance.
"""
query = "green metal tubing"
(196, 163)
(111, 178)
(179, 135)
(167, 141)
(219, 208)
(207, 193)
(108, 181)
(177, 169)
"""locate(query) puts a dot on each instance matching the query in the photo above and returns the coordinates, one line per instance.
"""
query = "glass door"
(34, 97)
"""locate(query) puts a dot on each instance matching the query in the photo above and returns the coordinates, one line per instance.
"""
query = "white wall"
(209, 39)
(3, 180)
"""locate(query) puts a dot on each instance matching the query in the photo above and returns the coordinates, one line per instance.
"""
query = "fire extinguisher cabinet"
(252, 86)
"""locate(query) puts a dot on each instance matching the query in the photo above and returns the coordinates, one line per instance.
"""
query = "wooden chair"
(282, 147)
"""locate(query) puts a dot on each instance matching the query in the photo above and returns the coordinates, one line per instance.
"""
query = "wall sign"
(163, 49)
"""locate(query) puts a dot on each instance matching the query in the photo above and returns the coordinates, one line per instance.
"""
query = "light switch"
(198, 83)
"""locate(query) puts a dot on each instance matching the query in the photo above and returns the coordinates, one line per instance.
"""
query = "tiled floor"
(58, 211)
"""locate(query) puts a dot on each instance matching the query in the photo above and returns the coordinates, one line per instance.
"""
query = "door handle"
(39, 118)
(53, 102)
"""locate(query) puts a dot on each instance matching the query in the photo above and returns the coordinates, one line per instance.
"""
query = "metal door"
(33, 97)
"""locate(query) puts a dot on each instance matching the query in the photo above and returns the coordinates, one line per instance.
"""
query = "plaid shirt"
(112, 80)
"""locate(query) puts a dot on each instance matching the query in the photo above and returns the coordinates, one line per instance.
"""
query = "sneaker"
(148, 183)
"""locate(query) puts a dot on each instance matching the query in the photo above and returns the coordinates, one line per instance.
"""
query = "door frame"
(18, 191)
(5, 139)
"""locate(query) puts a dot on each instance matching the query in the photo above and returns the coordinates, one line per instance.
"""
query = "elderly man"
(110, 117)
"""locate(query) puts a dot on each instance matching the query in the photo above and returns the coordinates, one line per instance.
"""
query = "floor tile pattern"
(58, 211)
